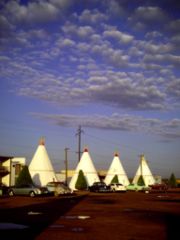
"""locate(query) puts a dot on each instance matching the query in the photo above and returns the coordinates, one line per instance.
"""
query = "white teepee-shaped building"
(40, 168)
(144, 171)
(116, 168)
(86, 165)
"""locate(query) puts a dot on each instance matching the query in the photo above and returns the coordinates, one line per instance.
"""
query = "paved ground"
(91, 216)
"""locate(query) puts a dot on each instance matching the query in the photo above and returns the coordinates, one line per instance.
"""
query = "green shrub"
(81, 183)
(24, 177)
(115, 179)
(141, 181)
(172, 181)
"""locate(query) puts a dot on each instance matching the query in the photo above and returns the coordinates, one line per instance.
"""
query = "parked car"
(99, 187)
(28, 190)
(158, 187)
(117, 187)
(58, 188)
(3, 189)
(136, 187)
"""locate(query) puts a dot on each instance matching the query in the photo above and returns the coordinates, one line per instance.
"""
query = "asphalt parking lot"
(131, 215)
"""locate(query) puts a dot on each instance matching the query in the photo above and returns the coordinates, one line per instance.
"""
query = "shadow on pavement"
(172, 221)
(35, 216)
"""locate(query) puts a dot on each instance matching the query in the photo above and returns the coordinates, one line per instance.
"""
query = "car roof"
(55, 182)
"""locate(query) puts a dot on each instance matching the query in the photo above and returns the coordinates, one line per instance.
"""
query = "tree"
(81, 183)
(141, 181)
(24, 177)
(172, 181)
(115, 179)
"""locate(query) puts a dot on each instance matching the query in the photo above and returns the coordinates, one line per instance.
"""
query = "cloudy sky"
(110, 66)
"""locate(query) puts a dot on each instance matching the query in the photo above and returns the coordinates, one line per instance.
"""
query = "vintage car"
(28, 190)
(158, 187)
(99, 187)
(117, 187)
(58, 188)
(136, 187)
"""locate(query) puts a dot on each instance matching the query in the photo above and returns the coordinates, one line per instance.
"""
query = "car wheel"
(56, 193)
(32, 194)
(11, 193)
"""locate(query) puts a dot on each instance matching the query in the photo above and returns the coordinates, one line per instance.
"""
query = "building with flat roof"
(10, 168)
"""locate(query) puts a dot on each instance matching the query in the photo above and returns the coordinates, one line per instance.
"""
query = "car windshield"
(25, 186)
(101, 184)
(56, 184)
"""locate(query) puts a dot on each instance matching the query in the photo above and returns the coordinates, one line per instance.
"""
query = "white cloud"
(4, 24)
(134, 51)
(98, 79)
(153, 35)
(115, 57)
(82, 46)
(115, 68)
(93, 16)
(115, 8)
(65, 42)
(166, 129)
(38, 11)
(176, 39)
(75, 30)
(96, 38)
(174, 26)
(84, 31)
(62, 4)
(122, 37)
(38, 33)
(149, 14)
(173, 88)
(148, 17)
(118, 89)
(157, 48)
(163, 59)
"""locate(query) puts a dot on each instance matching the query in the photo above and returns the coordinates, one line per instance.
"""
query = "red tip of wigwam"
(116, 155)
(42, 141)
(85, 150)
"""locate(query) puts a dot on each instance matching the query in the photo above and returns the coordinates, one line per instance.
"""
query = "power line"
(113, 143)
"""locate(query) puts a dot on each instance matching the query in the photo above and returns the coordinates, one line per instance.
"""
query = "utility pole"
(79, 132)
(141, 167)
(66, 166)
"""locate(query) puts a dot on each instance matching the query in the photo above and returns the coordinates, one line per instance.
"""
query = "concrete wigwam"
(86, 165)
(144, 171)
(40, 168)
(116, 168)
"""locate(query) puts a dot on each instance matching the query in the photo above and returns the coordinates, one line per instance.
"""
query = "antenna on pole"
(79, 132)
(141, 167)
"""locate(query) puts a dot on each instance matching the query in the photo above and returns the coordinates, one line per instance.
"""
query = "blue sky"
(110, 66)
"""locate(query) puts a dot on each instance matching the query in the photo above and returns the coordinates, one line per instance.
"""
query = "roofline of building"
(5, 158)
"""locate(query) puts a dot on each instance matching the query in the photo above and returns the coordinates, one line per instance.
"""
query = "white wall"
(10, 164)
